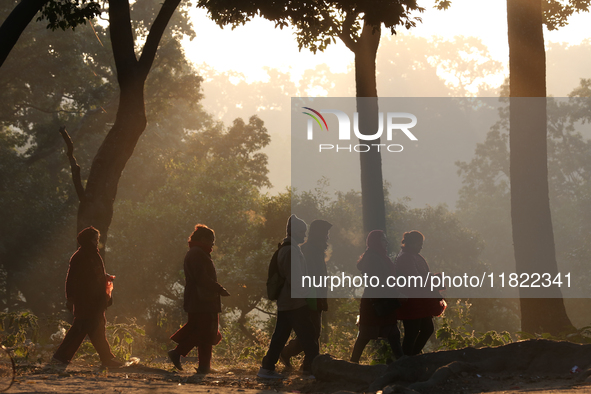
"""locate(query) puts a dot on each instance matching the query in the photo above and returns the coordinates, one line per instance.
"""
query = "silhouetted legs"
(199, 331)
(416, 334)
(360, 344)
(295, 347)
(364, 336)
(300, 321)
(94, 327)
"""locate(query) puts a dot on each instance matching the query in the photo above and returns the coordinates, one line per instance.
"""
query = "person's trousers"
(295, 347)
(199, 331)
(363, 338)
(94, 327)
(301, 322)
(416, 334)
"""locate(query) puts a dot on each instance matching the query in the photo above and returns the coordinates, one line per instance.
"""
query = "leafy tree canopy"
(318, 23)
(557, 12)
(67, 14)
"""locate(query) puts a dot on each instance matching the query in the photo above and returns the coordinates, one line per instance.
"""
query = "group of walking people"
(88, 291)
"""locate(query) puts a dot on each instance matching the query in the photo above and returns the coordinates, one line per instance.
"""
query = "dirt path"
(160, 377)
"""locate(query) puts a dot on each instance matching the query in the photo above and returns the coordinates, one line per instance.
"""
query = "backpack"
(275, 281)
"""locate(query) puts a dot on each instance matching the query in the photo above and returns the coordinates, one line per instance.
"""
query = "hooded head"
(377, 245)
(376, 240)
(296, 228)
(88, 238)
(318, 234)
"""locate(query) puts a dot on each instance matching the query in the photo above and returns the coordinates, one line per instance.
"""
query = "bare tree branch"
(155, 35)
(76, 179)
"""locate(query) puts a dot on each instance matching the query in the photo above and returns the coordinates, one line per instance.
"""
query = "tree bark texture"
(96, 209)
(533, 237)
(15, 24)
(372, 185)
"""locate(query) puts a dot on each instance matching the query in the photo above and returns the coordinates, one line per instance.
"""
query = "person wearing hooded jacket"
(375, 321)
(314, 251)
(86, 292)
(292, 312)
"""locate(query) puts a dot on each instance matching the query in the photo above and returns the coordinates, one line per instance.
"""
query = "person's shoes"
(286, 361)
(57, 361)
(269, 374)
(175, 359)
(112, 363)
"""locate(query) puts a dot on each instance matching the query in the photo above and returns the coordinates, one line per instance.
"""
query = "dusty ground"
(159, 377)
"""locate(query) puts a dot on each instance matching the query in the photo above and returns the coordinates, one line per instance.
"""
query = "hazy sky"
(264, 46)
(258, 45)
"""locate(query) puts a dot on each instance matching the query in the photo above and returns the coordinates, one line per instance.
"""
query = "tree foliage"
(557, 12)
(58, 78)
(67, 14)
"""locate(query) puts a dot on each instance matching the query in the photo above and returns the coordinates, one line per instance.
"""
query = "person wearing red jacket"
(86, 291)
(201, 301)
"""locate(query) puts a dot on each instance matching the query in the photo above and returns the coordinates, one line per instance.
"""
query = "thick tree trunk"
(533, 236)
(372, 185)
(96, 206)
(15, 24)
(108, 164)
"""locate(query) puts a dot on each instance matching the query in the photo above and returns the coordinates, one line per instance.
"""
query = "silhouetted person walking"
(314, 251)
(417, 313)
(292, 313)
(377, 316)
(202, 302)
(86, 291)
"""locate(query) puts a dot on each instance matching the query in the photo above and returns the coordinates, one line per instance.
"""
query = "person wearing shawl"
(86, 291)
(314, 251)
(201, 301)
(417, 312)
(375, 321)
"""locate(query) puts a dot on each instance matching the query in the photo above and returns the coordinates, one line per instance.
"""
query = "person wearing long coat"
(422, 304)
(375, 320)
(86, 292)
(201, 301)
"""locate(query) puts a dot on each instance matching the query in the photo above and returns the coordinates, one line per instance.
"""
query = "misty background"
(217, 150)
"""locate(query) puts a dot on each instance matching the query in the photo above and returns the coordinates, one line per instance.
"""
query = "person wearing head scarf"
(292, 312)
(418, 311)
(87, 292)
(314, 251)
(202, 302)
(377, 318)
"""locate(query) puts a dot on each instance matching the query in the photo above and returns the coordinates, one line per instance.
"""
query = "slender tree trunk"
(15, 24)
(372, 185)
(533, 236)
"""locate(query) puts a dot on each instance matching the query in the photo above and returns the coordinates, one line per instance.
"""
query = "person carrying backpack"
(314, 250)
(292, 312)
